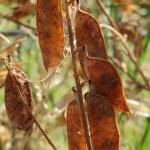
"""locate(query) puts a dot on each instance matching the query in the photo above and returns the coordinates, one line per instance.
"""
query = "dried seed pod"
(102, 120)
(75, 131)
(107, 82)
(103, 124)
(50, 31)
(89, 34)
(17, 112)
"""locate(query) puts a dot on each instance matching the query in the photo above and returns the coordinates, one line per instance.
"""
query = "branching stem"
(77, 81)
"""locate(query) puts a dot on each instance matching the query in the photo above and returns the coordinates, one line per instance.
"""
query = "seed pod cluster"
(20, 117)
(103, 75)
(105, 94)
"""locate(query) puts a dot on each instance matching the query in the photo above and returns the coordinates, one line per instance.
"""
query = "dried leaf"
(103, 125)
(16, 110)
(107, 82)
(89, 34)
(76, 138)
(50, 31)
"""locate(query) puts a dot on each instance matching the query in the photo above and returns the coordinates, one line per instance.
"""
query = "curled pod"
(106, 82)
(89, 34)
(18, 114)
(50, 31)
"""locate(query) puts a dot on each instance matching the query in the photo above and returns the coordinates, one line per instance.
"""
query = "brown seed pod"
(75, 131)
(89, 34)
(17, 112)
(103, 124)
(50, 31)
(102, 120)
(106, 82)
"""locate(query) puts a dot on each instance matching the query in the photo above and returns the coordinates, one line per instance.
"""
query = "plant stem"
(113, 24)
(77, 81)
(18, 22)
(29, 110)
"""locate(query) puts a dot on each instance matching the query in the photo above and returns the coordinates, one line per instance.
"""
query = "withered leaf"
(103, 125)
(18, 114)
(75, 131)
(50, 31)
(107, 82)
(89, 34)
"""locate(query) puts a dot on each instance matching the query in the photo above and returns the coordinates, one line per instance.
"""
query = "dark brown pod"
(106, 82)
(102, 121)
(89, 34)
(50, 31)
(103, 124)
(17, 112)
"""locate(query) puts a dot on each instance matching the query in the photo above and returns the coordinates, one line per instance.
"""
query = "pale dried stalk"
(113, 24)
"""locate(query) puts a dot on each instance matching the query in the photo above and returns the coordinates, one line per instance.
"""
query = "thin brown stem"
(17, 22)
(29, 110)
(77, 81)
(113, 24)
(131, 57)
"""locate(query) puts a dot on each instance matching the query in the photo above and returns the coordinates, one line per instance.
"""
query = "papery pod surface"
(50, 31)
(103, 124)
(106, 82)
(75, 131)
(17, 112)
(89, 35)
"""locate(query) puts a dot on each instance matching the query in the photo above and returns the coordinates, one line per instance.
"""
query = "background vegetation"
(18, 37)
